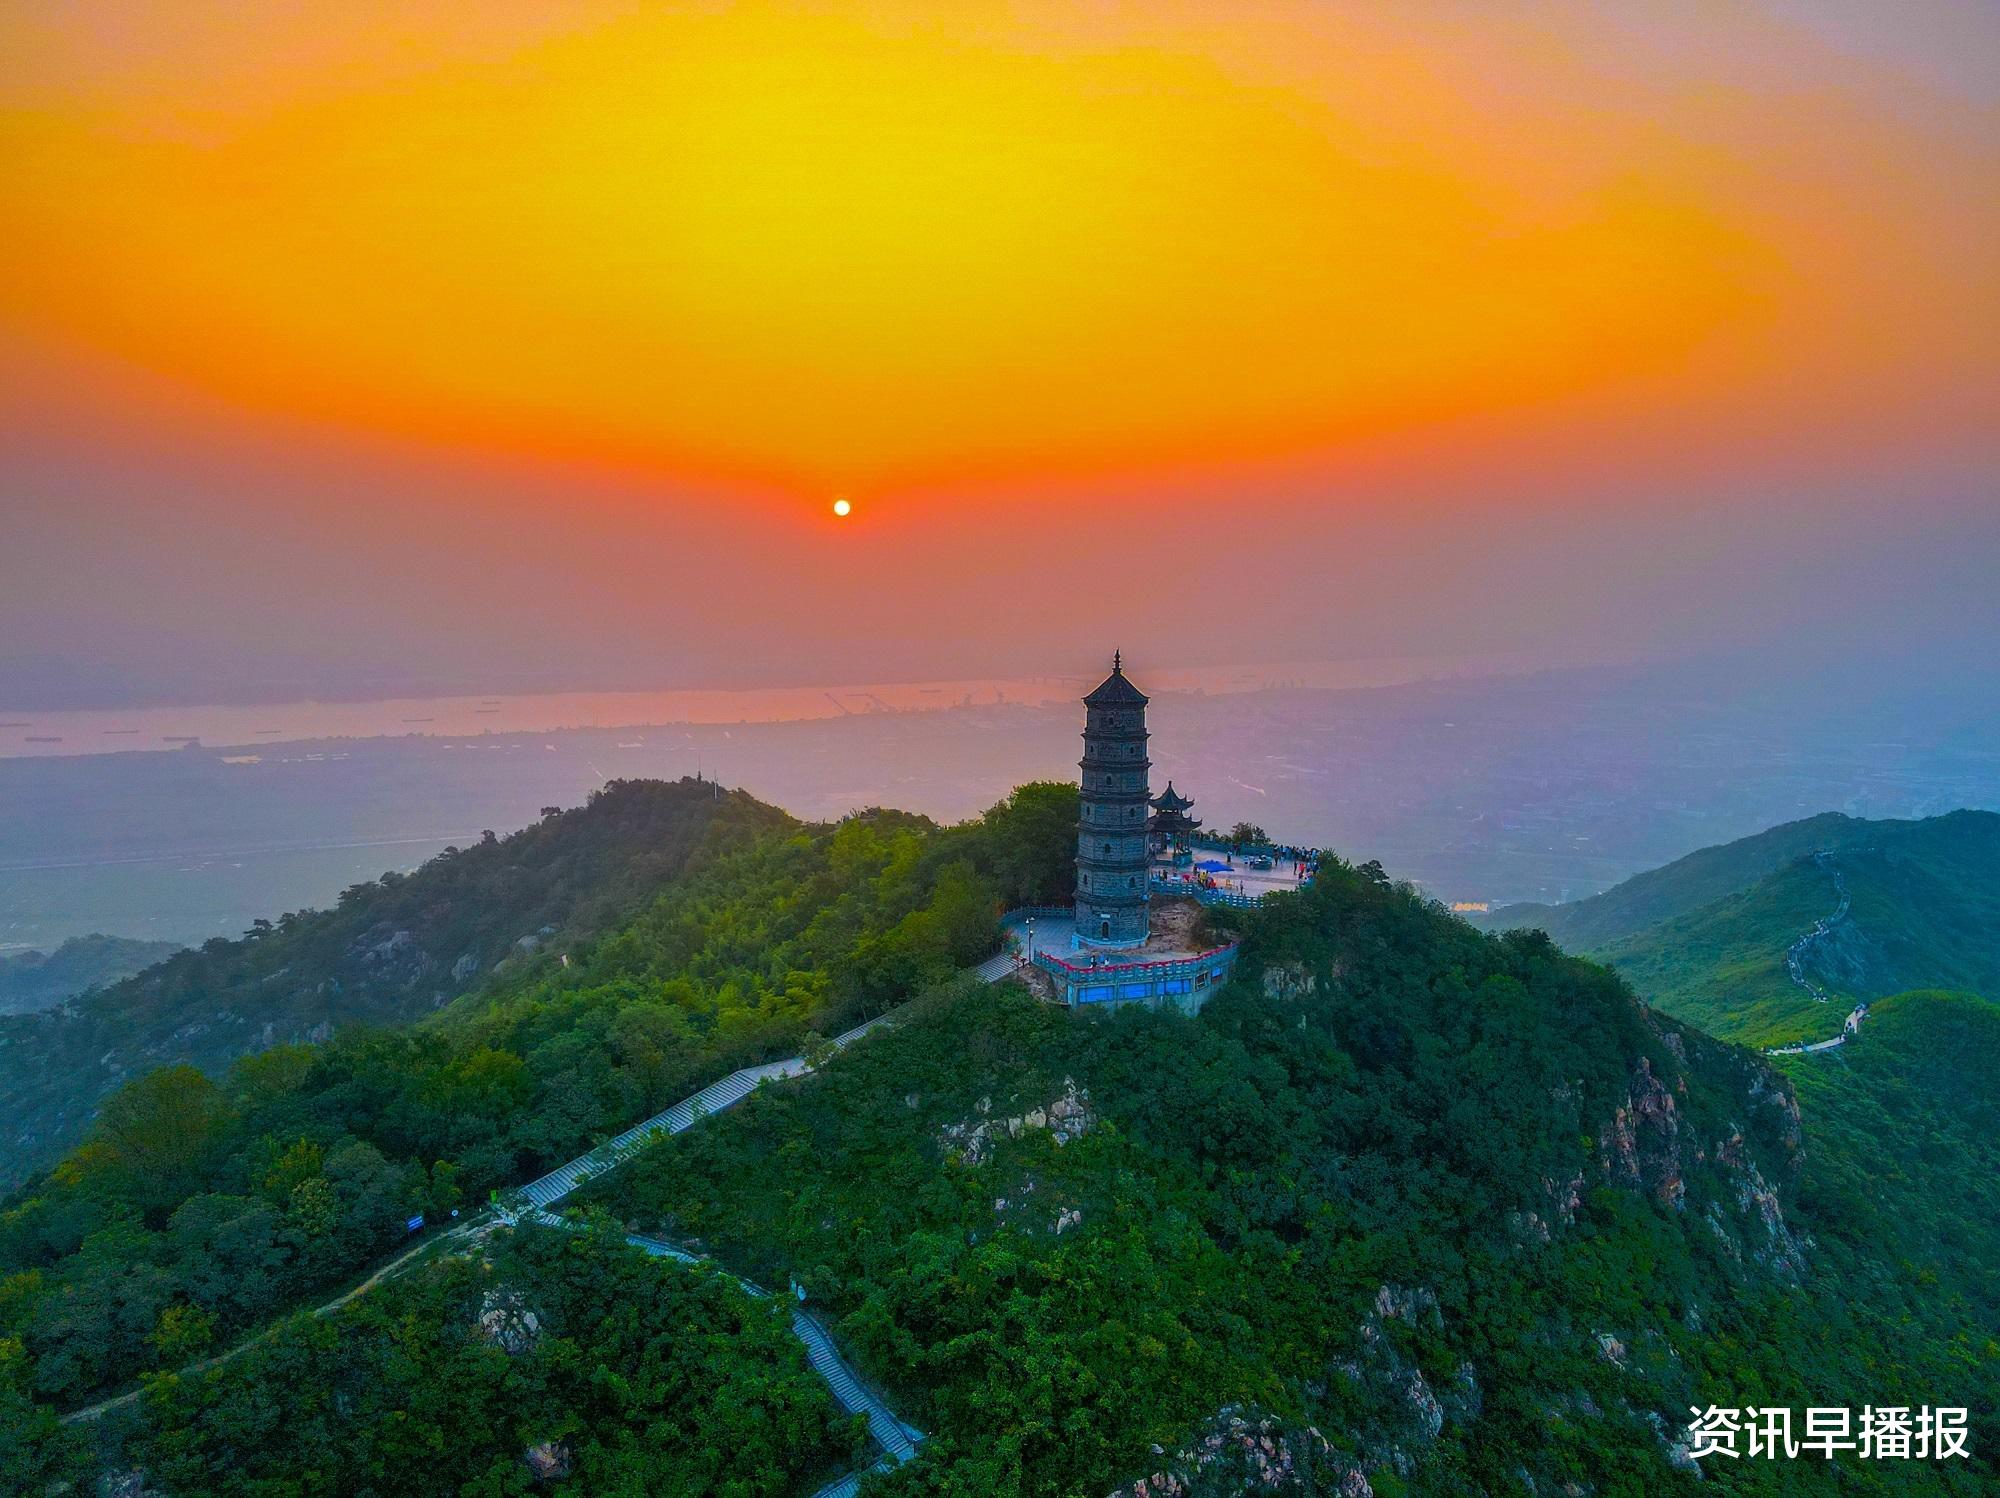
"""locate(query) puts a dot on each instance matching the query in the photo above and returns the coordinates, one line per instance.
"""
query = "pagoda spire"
(1112, 857)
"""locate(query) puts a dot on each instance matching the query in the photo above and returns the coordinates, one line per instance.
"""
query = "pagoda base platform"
(1166, 970)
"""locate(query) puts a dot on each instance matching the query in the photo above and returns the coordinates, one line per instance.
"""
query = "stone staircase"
(732, 1089)
(532, 1203)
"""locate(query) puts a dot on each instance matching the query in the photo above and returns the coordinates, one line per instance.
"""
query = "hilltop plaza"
(1131, 933)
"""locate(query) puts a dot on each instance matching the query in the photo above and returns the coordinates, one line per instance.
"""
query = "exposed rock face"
(550, 1461)
(377, 946)
(506, 1322)
(1564, 1197)
(1641, 1145)
(1762, 1236)
(1289, 980)
(1767, 1094)
(1243, 1453)
(1674, 1442)
(1648, 1142)
(1067, 1116)
(127, 1484)
(1391, 1411)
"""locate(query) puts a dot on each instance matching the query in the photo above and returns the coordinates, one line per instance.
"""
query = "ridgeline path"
(531, 1203)
(1795, 956)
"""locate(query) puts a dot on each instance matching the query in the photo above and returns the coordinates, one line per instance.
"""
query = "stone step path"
(531, 1203)
(898, 1441)
(1795, 956)
(996, 967)
(547, 1190)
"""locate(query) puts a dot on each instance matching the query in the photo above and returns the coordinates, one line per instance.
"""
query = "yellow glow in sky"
(884, 246)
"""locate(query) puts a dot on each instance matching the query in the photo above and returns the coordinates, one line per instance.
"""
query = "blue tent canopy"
(1212, 866)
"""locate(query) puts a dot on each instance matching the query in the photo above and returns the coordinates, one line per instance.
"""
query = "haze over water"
(103, 731)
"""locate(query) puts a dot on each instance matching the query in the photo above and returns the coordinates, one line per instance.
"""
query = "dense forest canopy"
(390, 950)
(243, 1194)
(1458, 1205)
(1441, 1211)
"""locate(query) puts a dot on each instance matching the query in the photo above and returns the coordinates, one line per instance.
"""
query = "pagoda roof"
(1115, 690)
(1171, 800)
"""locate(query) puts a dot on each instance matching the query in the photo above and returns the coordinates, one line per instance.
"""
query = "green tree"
(184, 1333)
(154, 1136)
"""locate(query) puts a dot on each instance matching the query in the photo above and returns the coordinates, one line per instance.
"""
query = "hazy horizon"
(423, 350)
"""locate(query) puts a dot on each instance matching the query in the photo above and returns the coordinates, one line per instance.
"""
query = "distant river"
(104, 731)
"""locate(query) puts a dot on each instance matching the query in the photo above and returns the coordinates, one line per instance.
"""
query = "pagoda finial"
(1117, 662)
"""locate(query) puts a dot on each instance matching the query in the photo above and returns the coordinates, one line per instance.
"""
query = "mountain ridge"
(1406, 1209)
(36, 980)
(389, 950)
(1811, 918)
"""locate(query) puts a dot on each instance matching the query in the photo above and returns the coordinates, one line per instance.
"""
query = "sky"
(498, 345)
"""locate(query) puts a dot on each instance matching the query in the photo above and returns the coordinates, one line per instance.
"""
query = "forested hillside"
(390, 950)
(1903, 1153)
(1448, 1211)
(1406, 1205)
(199, 1207)
(1904, 905)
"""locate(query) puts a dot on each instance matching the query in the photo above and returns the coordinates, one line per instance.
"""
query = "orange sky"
(719, 263)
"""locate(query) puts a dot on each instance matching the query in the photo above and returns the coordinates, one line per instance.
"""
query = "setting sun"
(841, 507)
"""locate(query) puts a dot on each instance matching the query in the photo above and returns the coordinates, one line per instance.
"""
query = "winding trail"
(1795, 956)
(531, 1203)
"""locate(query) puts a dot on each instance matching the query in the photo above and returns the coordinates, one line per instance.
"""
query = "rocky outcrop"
(1289, 980)
(549, 1461)
(1563, 1195)
(506, 1321)
(129, 1483)
(378, 947)
(1389, 1409)
(1641, 1144)
(1759, 1235)
(1066, 1116)
(1244, 1452)
(1648, 1144)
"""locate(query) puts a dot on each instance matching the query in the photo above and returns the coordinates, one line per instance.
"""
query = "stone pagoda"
(1112, 845)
